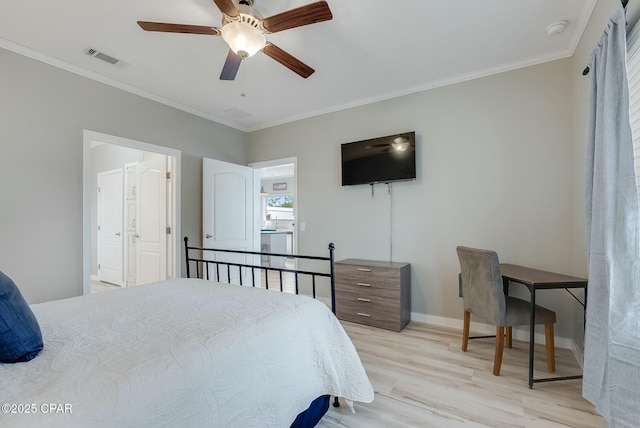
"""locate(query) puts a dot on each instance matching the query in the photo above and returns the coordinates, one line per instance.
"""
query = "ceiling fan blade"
(227, 7)
(231, 66)
(287, 60)
(178, 28)
(298, 17)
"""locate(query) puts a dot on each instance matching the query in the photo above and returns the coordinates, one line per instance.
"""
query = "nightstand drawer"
(372, 276)
(377, 312)
(367, 290)
(368, 300)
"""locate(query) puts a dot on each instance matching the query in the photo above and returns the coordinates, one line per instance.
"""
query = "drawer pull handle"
(362, 299)
(362, 284)
(364, 270)
(363, 315)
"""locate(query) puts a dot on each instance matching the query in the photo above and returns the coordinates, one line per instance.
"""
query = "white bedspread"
(184, 352)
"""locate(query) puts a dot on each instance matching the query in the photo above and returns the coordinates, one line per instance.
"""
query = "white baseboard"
(518, 333)
(578, 353)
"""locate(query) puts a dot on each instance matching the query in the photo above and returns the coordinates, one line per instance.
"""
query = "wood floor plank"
(422, 378)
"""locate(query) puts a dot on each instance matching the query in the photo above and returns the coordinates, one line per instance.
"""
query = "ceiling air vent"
(102, 56)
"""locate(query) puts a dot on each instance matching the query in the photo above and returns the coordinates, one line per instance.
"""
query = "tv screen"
(379, 160)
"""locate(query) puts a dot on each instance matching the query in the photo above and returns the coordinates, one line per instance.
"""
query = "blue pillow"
(20, 336)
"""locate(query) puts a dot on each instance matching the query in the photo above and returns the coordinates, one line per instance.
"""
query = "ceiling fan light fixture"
(244, 36)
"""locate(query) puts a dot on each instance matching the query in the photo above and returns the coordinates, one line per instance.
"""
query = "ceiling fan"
(244, 29)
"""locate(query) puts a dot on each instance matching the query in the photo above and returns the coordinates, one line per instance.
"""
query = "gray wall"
(43, 111)
(495, 170)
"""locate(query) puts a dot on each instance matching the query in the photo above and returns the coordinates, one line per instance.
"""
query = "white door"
(110, 222)
(228, 216)
(151, 220)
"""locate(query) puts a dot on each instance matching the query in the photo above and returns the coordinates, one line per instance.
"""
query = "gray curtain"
(612, 336)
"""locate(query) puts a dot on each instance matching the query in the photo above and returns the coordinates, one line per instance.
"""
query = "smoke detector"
(557, 28)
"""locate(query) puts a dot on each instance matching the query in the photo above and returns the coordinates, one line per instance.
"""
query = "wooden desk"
(535, 279)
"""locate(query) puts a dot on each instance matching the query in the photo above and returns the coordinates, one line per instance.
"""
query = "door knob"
(208, 236)
(118, 234)
(135, 235)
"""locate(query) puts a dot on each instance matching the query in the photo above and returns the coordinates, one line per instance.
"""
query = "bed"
(183, 352)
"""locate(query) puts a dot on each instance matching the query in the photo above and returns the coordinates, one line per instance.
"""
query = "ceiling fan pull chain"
(242, 94)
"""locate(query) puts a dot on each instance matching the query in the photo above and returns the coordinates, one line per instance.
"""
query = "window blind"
(633, 75)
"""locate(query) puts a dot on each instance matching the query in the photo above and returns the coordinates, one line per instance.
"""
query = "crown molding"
(426, 86)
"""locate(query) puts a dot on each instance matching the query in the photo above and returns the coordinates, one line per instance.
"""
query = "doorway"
(145, 214)
(239, 213)
(278, 211)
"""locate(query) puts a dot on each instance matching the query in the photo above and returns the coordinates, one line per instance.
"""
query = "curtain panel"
(612, 335)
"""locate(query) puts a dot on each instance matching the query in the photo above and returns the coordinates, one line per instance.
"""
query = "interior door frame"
(91, 138)
(275, 162)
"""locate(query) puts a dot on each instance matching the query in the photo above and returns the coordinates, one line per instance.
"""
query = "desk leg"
(532, 330)
(584, 319)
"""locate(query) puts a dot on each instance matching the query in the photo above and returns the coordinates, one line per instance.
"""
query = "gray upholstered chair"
(482, 292)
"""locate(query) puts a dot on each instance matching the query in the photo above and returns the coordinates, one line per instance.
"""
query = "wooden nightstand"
(374, 293)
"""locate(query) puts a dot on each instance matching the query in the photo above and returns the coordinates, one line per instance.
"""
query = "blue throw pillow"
(20, 336)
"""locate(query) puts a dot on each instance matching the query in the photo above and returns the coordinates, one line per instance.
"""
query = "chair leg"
(465, 330)
(550, 344)
(497, 362)
(509, 337)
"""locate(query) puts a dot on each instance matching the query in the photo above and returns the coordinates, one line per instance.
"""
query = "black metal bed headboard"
(202, 265)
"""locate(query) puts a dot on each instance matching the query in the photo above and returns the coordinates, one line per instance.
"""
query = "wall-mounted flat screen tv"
(379, 160)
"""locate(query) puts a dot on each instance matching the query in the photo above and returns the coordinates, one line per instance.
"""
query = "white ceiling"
(371, 50)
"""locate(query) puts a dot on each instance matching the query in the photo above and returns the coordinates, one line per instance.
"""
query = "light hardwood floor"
(422, 378)
(99, 287)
